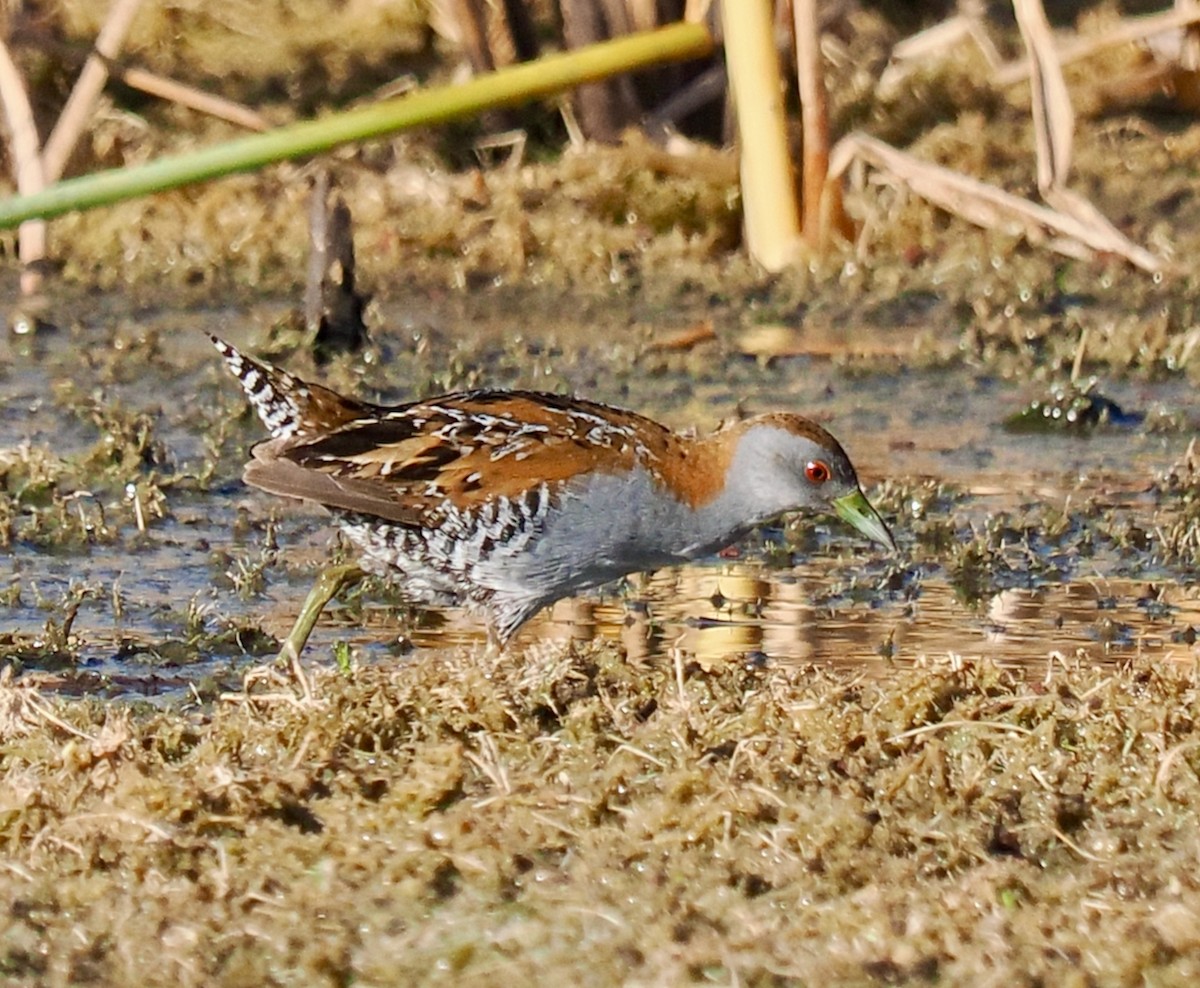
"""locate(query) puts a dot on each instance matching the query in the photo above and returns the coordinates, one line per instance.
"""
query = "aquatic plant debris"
(1072, 408)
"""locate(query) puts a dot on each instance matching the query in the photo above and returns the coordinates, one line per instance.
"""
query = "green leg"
(331, 581)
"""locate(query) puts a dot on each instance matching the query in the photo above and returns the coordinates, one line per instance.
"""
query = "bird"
(504, 501)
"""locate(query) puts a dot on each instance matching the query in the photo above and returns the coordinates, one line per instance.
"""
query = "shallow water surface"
(225, 561)
(838, 610)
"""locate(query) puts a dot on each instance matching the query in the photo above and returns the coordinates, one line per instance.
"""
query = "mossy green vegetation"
(1071, 408)
(565, 817)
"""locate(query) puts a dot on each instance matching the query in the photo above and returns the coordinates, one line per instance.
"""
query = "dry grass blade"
(987, 206)
(1087, 856)
(966, 24)
(1054, 128)
(190, 97)
(23, 711)
(946, 725)
(915, 51)
(1103, 235)
(962, 195)
(1168, 760)
(1127, 31)
(686, 339)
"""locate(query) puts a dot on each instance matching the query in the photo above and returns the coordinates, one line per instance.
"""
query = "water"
(230, 558)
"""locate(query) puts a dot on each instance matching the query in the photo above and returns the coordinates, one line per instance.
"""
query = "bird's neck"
(697, 467)
(717, 478)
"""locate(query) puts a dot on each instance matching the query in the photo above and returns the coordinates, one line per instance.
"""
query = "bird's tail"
(288, 406)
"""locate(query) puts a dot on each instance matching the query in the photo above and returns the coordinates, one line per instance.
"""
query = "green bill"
(856, 510)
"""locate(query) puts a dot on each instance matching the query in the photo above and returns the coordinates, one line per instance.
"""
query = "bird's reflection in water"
(732, 612)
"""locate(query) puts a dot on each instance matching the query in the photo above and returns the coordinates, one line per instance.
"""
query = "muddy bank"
(636, 227)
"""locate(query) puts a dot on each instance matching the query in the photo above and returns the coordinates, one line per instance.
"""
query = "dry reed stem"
(1054, 128)
(822, 211)
(987, 206)
(1127, 31)
(75, 114)
(909, 54)
(768, 185)
(27, 165)
(189, 96)
(1053, 117)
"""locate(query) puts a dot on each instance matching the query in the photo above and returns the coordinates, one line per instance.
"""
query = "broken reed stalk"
(1053, 117)
(1054, 130)
(990, 207)
(188, 96)
(768, 184)
(502, 88)
(1128, 30)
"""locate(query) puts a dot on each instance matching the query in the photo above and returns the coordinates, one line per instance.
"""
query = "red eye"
(817, 471)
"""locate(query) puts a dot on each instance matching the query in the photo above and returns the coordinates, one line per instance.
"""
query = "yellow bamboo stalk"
(769, 204)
